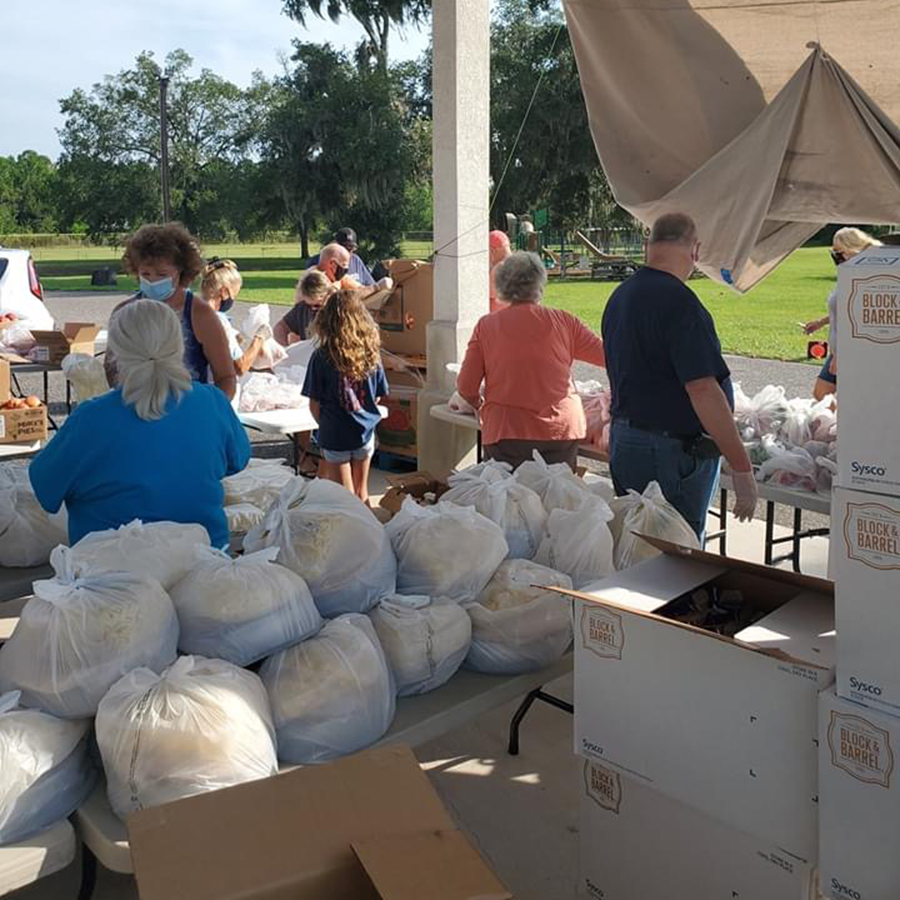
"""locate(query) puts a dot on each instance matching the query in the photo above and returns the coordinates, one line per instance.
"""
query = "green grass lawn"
(762, 323)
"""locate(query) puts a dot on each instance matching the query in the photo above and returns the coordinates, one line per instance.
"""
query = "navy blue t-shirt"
(658, 336)
(348, 411)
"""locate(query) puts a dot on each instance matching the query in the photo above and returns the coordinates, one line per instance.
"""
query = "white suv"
(20, 289)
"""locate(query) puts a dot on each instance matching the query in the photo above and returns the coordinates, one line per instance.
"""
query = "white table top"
(48, 852)
(18, 451)
(465, 420)
(285, 421)
(817, 503)
(418, 720)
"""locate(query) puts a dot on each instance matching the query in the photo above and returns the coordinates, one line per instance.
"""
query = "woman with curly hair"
(344, 382)
(166, 259)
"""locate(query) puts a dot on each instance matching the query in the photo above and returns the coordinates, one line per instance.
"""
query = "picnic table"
(418, 720)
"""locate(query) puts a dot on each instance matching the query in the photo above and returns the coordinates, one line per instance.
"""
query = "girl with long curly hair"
(344, 382)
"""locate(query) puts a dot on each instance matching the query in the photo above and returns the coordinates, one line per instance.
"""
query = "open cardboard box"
(412, 484)
(726, 725)
(52, 347)
(404, 314)
(360, 828)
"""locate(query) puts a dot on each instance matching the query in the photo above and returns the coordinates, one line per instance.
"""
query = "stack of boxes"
(699, 749)
(859, 769)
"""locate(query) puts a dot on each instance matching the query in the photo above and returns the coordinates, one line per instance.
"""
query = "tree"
(377, 18)
(29, 186)
(114, 129)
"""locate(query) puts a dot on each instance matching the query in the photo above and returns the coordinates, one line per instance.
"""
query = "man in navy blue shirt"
(671, 388)
(346, 237)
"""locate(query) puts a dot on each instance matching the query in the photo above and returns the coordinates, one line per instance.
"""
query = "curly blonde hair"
(348, 335)
(218, 274)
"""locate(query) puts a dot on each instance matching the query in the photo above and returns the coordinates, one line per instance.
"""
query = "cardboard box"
(725, 726)
(23, 426)
(404, 315)
(364, 827)
(5, 382)
(398, 432)
(867, 349)
(52, 347)
(418, 485)
(638, 844)
(865, 550)
(859, 802)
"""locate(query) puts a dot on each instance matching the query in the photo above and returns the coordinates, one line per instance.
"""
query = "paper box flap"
(437, 865)
(287, 837)
(14, 357)
(79, 332)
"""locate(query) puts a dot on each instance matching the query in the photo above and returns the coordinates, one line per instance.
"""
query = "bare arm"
(588, 346)
(214, 341)
(282, 333)
(245, 363)
(715, 415)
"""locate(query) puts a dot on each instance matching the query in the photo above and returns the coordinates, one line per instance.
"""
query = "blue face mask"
(226, 304)
(157, 290)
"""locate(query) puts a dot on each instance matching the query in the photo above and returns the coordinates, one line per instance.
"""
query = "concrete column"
(461, 172)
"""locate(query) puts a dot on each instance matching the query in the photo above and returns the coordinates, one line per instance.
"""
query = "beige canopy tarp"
(764, 121)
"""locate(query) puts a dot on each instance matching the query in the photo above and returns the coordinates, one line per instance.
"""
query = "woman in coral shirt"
(524, 354)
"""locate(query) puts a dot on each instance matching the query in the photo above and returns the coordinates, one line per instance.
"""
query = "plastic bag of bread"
(27, 533)
(45, 769)
(510, 504)
(579, 542)
(163, 551)
(201, 725)
(425, 641)
(651, 514)
(242, 517)
(244, 609)
(331, 540)
(445, 550)
(517, 627)
(78, 635)
(331, 695)
(259, 484)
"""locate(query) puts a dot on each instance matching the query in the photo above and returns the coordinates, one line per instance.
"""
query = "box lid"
(287, 837)
(437, 865)
(72, 332)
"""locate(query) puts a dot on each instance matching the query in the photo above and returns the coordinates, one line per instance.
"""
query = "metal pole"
(164, 148)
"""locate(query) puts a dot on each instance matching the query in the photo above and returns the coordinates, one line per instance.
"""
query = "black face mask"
(339, 272)
(226, 304)
(837, 258)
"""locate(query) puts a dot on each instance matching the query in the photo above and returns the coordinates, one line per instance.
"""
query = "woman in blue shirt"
(155, 448)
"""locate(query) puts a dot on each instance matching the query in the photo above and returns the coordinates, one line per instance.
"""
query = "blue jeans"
(638, 457)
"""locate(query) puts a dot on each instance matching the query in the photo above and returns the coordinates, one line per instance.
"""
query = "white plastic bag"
(510, 504)
(331, 695)
(445, 550)
(762, 414)
(517, 627)
(163, 551)
(202, 725)
(241, 517)
(579, 542)
(651, 514)
(557, 485)
(797, 427)
(244, 609)
(77, 636)
(45, 769)
(259, 484)
(459, 404)
(27, 533)
(256, 323)
(599, 486)
(331, 540)
(86, 375)
(424, 640)
(790, 468)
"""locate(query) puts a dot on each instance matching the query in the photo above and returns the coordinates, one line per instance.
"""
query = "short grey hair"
(520, 278)
(145, 338)
(674, 228)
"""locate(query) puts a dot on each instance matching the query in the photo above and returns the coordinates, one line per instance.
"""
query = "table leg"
(478, 447)
(47, 389)
(795, 544)
(723, 519)
(68, 397)
(770, 531)
(522, 711)
(88, 873)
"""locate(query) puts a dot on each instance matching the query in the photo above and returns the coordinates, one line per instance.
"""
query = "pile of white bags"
(579, 543)
(556, 484)
(651, 514)
(45, 770)
(201, 725)
(262, 392)
(79, 635)
(27, 533)
(330, 539)
(259, 484)
(164, 551)
(244, 609)
(492, 491)
(445, 550)
(425, 641)
(516, 627)
(331, 695)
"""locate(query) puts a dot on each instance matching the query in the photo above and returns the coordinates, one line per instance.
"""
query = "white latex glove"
(385, 284)
(264, 332)
(745, 495)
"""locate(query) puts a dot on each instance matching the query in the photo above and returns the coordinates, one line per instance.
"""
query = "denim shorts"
(337, 457)
(825, 375)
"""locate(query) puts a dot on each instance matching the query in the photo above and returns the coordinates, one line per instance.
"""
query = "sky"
(50, 47)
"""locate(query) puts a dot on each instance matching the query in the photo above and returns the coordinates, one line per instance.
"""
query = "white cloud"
(50, 47)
